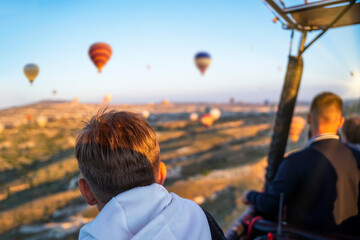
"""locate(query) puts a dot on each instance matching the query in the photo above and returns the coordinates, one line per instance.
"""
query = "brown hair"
(324, 105)
(117, 151)
(351, 129)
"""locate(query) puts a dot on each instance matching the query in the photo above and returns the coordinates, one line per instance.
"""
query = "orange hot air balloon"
(75, 100)
(165, 102)
(207, 120)
(28, 118)
(296, 127)
(100, 54)
(107, 99)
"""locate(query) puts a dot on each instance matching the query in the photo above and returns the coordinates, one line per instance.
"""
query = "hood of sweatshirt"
(149, 212)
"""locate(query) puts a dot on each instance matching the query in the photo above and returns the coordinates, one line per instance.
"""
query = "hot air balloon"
(28, 118)
(207, 120)
(194, 117)
(215, 113)
(100, 54)
(54, 92)
(202, 61)
(145, 114)
(148, 67)
(151, 104)
(296, 127)
(165, 102)
(31, 71)
(232, 100)
(75, 100)
(107, 99)
(41, 121)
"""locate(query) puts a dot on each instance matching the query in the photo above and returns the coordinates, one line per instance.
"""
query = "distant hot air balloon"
(296, 127)
(31, 71)
(100, 54)
(151, 104)
(145, 114)
(165, 102)
(194, 117)
(107, 99)
(41, 121)
(232, 100)
(207, 120)
(215, 113)
(202, 61)
(28, 118)
(352, 74)
(75, 100)
(148, 67)
(54, 92)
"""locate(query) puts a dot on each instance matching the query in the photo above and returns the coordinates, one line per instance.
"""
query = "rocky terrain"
(212, 166)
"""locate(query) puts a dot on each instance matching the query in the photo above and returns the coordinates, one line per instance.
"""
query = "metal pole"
(285, 113)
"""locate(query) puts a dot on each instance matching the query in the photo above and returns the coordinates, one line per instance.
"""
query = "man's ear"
(341, 122)
(162, 173)
(86, 192)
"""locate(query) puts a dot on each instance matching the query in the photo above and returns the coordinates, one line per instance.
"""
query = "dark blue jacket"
(321, 186)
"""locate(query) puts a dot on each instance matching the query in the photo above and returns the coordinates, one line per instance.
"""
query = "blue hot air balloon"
(202, 61)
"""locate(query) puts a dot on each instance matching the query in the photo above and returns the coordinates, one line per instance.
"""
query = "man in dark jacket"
(321, 182)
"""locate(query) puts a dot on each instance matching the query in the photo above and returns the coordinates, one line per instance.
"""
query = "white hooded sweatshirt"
(149, 212)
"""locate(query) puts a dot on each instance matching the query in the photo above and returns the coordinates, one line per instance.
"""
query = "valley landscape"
(212, 165)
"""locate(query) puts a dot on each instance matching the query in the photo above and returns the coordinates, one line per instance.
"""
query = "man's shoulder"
(294, 153)
(297, 153)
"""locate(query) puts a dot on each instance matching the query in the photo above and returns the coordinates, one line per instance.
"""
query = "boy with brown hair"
(119, 160)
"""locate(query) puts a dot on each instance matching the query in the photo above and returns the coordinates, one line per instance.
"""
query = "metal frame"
(291, 24)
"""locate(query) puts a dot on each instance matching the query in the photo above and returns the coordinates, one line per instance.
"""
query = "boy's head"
(116, 151)
(326, 113)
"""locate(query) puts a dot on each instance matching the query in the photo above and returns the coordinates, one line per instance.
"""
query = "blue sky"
(247, 49)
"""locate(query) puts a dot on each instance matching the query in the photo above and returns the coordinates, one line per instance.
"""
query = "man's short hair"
(117, 151)
(325, 105)
(351, 129)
